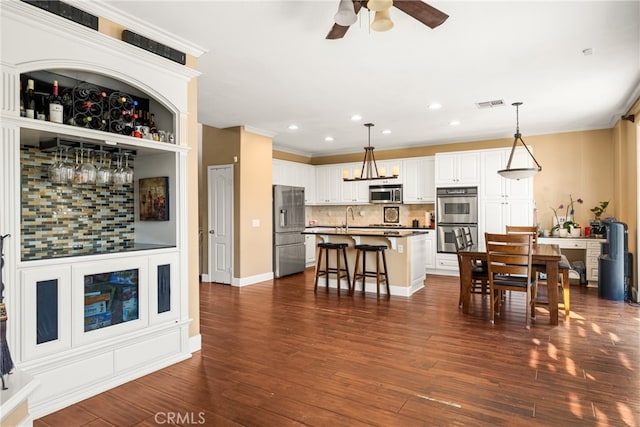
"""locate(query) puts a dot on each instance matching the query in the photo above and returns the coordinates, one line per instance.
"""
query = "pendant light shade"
(369, 169)
(346, 15)
(519, 173)
(378, 5)
(382, 21)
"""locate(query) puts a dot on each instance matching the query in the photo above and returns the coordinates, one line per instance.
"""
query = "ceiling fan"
(348, 9)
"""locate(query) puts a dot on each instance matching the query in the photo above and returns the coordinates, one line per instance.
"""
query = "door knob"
(211, 232)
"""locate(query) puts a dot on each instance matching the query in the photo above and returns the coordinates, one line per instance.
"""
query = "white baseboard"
(195, 343)
(251, 280)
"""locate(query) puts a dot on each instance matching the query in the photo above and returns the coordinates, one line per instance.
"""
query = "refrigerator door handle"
(283, 217)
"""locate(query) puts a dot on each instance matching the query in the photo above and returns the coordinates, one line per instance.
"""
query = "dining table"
(544, 255)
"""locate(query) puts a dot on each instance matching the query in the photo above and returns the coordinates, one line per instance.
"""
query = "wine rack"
(122, 114)
(86, 109)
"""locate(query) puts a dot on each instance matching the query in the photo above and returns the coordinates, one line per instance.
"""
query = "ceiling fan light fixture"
(346, 15)
(378, 5)
(382, 21)
(519, 173)
(369, 170)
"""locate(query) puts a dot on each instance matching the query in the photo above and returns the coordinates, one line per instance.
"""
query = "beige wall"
(251, 194)
(255, 247)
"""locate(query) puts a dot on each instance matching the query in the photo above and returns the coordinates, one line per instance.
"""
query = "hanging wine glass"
(127, 171)
(68, 170)
(117, 172)
(103, 172)
(55, 169)
(78, 177)
(88, 169)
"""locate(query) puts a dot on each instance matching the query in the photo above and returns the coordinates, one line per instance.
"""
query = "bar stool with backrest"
(509, 264)
(479, 276)
(563, 266)
(340, 270)
(380, 273)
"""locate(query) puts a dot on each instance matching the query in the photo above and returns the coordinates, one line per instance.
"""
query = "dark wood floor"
(276, 354)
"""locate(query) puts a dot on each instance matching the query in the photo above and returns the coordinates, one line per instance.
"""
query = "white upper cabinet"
(459, 168)
(353, 192)
(296, 174)
(494, 186)
(328, 184)
(419, 180)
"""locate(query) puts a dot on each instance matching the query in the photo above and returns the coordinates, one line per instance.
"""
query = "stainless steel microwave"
(389, 193)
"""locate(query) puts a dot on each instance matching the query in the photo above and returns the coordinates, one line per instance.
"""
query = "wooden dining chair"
(564, 266)
(509, 264)
(479, 276)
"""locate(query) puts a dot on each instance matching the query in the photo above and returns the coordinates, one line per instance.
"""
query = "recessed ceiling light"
(435, 106)
(386, 131)
(293, 127)
(356, 117)
(328, 138)
(454, 122)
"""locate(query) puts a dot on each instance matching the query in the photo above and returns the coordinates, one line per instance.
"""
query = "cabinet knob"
(212, 232)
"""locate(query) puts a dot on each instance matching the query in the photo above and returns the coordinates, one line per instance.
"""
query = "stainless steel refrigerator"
(288, 224)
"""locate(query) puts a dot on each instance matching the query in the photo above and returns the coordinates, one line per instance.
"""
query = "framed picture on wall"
(154, 198)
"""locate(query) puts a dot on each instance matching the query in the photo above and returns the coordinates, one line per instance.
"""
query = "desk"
(543, 254)
(589, 248)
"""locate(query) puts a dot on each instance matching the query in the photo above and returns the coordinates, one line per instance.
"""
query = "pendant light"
(519, 173)
(369, 170)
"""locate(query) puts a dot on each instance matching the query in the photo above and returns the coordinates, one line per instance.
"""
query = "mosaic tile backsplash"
(60, 220)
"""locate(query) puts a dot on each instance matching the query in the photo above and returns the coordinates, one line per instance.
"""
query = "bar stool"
(338, 270)
(380, 275)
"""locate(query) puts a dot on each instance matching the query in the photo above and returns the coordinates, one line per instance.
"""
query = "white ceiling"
(267, 64)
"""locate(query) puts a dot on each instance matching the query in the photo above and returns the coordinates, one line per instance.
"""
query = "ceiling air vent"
(490, 104)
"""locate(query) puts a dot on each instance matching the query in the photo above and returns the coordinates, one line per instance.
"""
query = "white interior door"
(220, 233)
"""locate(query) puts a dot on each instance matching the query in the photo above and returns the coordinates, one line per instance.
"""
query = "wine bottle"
(97, 96)
(23, 112)
(41, 107)
(30, 101)
(82, 106)
(129, 116)
(55, 105)
(152, 124)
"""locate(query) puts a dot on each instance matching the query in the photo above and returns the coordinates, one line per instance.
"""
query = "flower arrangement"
(568, 223)
(599, 210)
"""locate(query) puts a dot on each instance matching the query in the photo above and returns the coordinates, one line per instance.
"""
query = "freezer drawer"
(288, 259)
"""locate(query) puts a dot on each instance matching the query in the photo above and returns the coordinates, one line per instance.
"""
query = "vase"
(564, 232)
(575, 232)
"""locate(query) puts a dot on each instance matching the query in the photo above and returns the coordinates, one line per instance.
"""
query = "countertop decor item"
(567, 222)
(519, 173)
(392, 214)
(599, 209)
(369, 169)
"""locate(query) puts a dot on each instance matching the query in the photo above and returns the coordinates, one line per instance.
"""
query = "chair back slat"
(468, 238)
(458, 238)
(524, 229)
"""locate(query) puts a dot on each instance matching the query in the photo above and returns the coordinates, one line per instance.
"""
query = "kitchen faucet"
(346, 217)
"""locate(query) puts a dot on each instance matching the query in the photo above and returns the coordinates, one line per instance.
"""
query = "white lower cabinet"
(310, 249)
(104, 320)
(447, 264)
(430, 262)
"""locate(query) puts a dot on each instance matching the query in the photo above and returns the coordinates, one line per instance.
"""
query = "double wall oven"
(455, 207)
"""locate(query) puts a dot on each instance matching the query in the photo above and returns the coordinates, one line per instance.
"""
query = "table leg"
(465, 284)
(552, 289)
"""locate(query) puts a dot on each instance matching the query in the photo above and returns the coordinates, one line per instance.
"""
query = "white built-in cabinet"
(458, 168)
(503, 201)
(310, 249)
(419, 180)
(74, 362)
(328, 184)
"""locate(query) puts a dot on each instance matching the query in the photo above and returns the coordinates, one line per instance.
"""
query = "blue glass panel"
(164, 288)
(46, 311)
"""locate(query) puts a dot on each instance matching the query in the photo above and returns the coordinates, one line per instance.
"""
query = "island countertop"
(357, 231)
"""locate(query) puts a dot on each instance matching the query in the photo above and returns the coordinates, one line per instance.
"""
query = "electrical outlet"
(255, 223)
(400, 249)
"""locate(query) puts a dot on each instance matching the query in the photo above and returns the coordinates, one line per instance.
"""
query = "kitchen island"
(405, 254)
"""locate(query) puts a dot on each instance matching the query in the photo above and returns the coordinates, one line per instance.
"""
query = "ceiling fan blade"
(428, 15)
(338, 31)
